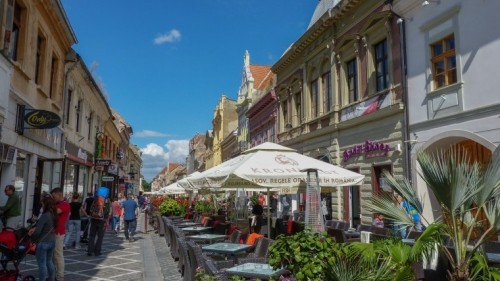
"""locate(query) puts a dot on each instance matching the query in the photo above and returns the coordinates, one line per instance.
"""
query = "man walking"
(86, 206)
(99, 213)
(11, 212)
(130, 217)
(63, 211)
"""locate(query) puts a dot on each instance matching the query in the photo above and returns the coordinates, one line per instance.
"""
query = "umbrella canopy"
(271, 165)
(184, 183)
(173, 189)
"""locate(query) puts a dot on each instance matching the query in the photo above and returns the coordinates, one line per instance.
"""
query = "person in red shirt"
(63, 211)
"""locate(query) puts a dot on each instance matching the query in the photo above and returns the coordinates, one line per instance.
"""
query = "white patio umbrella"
(173, 189)
(184, 183)
(271, 165)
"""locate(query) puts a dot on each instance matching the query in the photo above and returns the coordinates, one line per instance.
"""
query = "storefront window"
(82, 179)
(19, 181)
(69, 178)
(46, 177)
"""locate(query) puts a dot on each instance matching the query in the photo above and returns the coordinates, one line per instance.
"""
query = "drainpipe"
(406, 126)
(71, 57)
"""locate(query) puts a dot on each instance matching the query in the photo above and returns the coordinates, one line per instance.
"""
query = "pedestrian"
(141, 200)
(43, 235)
(99, 213)
(130, 217)
(86, 206)
(378, 221)
(410, 210)
(11, 211)
(74, 222)
(257, 211)
(116, 211)
(63, 211)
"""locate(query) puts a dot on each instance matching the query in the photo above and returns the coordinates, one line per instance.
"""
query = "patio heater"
(314, 215)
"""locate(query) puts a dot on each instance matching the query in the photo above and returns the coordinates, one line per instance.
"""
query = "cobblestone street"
(147, 258)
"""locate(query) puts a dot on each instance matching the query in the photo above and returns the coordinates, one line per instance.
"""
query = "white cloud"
(149, 133)
(156, 157)
(173, 35)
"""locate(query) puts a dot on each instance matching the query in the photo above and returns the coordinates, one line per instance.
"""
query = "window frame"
(444, 56)
(326, 88)
(384, 60)
(352, 94)
(314, 98)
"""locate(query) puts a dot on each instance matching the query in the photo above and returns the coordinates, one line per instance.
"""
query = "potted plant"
(467, 196)
(170, 207)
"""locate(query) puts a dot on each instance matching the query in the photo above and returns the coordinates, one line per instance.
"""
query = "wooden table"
(255, 271)
(227, 249)
(210, 238)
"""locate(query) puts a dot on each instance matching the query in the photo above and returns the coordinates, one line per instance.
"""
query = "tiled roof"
(260, 74)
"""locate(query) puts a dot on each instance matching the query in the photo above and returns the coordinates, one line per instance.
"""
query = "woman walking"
(116, 209)
(43, 234)
(74, 223)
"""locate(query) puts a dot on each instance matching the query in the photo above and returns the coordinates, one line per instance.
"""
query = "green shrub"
(170, 207)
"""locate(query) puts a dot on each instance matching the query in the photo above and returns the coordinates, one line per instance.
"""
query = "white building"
(452, 77)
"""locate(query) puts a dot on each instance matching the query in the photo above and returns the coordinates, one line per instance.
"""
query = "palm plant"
(469, 202)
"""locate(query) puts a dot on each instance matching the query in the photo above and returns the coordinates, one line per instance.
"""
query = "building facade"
(452, 87)
(224, 121)
(339, 90)
(36, 37)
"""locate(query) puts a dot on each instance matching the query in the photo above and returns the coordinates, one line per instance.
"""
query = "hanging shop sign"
(30, 118)
(108, 178)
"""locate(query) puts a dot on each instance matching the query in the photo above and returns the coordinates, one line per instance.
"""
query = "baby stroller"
(13, 248)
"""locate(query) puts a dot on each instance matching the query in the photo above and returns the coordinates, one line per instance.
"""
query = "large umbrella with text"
(271, 165)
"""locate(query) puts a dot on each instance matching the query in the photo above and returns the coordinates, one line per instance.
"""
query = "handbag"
(31, 246)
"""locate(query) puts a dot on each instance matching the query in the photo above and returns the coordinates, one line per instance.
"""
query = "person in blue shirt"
(130, 213)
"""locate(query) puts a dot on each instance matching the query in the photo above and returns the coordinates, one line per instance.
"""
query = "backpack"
(99, 208)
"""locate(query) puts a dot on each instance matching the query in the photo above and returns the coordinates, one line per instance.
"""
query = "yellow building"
(225, 120)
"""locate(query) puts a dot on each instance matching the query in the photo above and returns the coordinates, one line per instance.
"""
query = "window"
(68, 109)
(325, 92)
(444, 63)
(352, 80)
(264, 138)
(298, 109)
(381, 66)
(89, 121)
(40, 49)
(285, 114)
(314, 99)
(272, 134)
(53, 75)
(14, 35)
(78, 115)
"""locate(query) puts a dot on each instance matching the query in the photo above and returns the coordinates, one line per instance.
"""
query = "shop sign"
(41, 119)
(107, 178)
(79, 154)
(377, 149)
(113, 169)
(102, 162)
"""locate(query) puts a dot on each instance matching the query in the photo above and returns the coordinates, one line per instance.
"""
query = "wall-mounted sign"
(367, 147)
(102, 162)
(41, 119)
(108, 178)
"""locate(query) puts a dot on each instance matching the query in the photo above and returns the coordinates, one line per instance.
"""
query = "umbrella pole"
(268, 215)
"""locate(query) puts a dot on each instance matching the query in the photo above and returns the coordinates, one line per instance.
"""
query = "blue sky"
(163, 64)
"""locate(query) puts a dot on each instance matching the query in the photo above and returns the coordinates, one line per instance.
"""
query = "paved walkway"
(146, 259)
